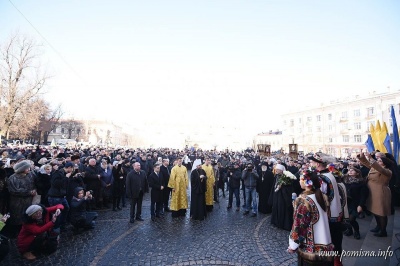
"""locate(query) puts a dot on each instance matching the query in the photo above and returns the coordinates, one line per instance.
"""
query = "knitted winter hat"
(21, 166)
(32, 209)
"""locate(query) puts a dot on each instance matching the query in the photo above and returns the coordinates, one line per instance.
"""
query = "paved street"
(224, 238)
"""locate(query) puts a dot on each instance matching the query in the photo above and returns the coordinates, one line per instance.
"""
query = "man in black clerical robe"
(198, 183)
(264, 187)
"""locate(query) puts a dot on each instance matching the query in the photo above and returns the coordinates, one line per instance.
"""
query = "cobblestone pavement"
(224, 238)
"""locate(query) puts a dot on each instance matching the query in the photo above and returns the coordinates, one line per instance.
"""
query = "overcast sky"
(216, 62)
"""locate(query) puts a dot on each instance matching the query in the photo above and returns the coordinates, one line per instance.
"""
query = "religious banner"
(293, 150)
(267, 150)
(264, 149)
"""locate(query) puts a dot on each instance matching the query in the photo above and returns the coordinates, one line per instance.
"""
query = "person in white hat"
(33, 239)
(281, 198)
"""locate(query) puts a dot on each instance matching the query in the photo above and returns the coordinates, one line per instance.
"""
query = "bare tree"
(50, 122)
(22, 80)
(28, 119)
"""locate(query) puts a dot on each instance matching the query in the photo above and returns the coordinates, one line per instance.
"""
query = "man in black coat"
(92, 181)
(58, 192)
(165, 172)
(234, 175)
(136, 186)
(144, 164)
(157, 185)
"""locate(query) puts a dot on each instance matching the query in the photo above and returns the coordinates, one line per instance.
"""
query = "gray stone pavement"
(224, 238)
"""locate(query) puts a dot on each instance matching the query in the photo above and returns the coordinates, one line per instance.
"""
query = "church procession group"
(316, 198)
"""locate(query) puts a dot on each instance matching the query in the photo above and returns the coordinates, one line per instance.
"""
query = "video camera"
(250, 168)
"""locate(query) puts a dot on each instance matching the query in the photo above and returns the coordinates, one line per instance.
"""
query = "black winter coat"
(136, 182)
(59, 183)
(155, 182)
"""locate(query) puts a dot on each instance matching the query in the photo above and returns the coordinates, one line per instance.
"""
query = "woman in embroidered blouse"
(310, 230)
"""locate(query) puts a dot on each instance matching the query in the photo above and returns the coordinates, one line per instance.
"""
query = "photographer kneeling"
(80, 218)
(36, 236)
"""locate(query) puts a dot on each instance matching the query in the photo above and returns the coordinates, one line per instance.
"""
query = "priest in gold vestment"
(207, 167)
(178, 182)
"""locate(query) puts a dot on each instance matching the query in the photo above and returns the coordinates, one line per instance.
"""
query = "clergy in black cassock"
(198, 183)
(281, 200)
(264, 187)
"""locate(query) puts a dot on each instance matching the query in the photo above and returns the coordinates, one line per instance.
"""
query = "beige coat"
(379, 200)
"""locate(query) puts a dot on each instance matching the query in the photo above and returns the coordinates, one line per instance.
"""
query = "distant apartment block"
(339, 127)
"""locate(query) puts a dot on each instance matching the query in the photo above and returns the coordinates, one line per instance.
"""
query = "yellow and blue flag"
(374, 136)
(395, 136)
(386, 142)
(369, 144)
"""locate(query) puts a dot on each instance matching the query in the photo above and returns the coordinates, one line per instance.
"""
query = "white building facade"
(274, 139)
(339, 127)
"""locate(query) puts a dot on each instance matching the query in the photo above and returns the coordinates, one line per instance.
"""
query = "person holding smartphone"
(35, 237)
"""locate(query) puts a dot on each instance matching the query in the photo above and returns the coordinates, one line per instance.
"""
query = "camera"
(90, 191)
(250, 168)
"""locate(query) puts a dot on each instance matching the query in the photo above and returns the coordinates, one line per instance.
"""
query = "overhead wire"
(51, 46)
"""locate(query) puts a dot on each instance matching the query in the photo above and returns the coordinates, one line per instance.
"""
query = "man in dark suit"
(157, 185)
(165, 172)
(136, 186)
(92, 181)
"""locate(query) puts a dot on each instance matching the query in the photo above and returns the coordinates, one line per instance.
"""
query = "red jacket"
(30, 230)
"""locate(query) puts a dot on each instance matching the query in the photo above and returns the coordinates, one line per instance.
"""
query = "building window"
(62, 130)
(309, 119)
(344, 115)
(345, 126)
(318, 118)
(369, 123)
(357, 125)
(284, 122)
(300, 130)
(346, 138)
(357, 113)
(370, 111)
(309, 129)
(291, 123)
(319, 139)
(318, 129)
(357, 138)
(330, 140)
(329, 116)
(300, 120)
(330, 127)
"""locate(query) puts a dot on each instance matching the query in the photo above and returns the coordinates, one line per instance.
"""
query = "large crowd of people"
(46, 190)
